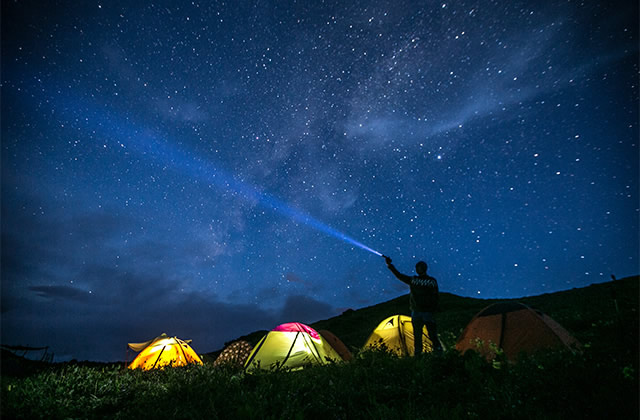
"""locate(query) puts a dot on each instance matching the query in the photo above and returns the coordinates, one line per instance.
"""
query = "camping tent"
(337, 344)
(514, 328)
(235, 354)
(163, 351)
(291, 346)
(396, 335)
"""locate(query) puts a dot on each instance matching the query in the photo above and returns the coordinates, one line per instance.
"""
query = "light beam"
(145, 143)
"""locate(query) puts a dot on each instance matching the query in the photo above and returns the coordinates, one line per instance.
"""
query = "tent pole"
(504, 324)
(156, 362)
(255, 351)
(290, 348)
(313, 345)
(181, 349)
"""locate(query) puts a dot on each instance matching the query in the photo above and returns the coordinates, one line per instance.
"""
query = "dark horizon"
(48, 351)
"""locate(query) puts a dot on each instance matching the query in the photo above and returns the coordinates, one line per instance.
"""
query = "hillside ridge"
(584, 311)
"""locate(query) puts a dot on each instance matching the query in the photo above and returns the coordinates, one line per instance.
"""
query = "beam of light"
(299, 216)
(146, 143)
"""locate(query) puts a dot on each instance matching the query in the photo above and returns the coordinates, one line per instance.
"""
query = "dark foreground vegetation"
(601, 382)
(448, 386)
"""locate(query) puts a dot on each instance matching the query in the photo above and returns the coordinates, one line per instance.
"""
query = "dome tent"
(514, 328)
(163, 351)
(235, 354)
(337, 345)
(291, 346)
(395, 334)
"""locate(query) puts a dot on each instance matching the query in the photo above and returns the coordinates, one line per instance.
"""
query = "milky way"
(207, 169)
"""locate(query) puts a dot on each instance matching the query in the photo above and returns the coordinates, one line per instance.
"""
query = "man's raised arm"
(402, 277)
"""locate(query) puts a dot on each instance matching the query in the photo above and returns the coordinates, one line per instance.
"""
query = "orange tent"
(514, 328)
(337, 344)
(163, 351)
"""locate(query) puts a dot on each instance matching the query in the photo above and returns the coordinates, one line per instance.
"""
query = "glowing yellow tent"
(291, 346)
(163, 351)
(395, 334)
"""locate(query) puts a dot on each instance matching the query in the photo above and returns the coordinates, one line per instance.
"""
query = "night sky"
(208, 169)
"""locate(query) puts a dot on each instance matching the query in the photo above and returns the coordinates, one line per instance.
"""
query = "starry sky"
(208, 169)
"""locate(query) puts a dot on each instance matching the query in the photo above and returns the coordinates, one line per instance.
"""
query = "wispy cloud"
(62, 292)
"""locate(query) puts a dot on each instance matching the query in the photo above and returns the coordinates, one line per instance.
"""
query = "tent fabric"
(395, 334)
(235, 354)
(337, 345)
(291, 346)
(296, 326)
(514, 328)
(163, 351)
(137, 347)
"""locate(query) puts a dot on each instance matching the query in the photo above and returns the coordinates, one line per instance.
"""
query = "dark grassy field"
(601, 382)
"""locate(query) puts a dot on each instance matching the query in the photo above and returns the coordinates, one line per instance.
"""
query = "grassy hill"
(594, 315)
(601, 382)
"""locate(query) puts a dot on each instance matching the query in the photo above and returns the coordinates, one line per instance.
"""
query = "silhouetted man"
(423, 302)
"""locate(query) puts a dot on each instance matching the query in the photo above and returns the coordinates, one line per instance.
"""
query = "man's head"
(421, 268)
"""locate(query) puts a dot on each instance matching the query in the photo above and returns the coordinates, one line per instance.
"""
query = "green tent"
(291, 346)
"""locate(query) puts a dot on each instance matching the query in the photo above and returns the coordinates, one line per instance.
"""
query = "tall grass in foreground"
(554, 385)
